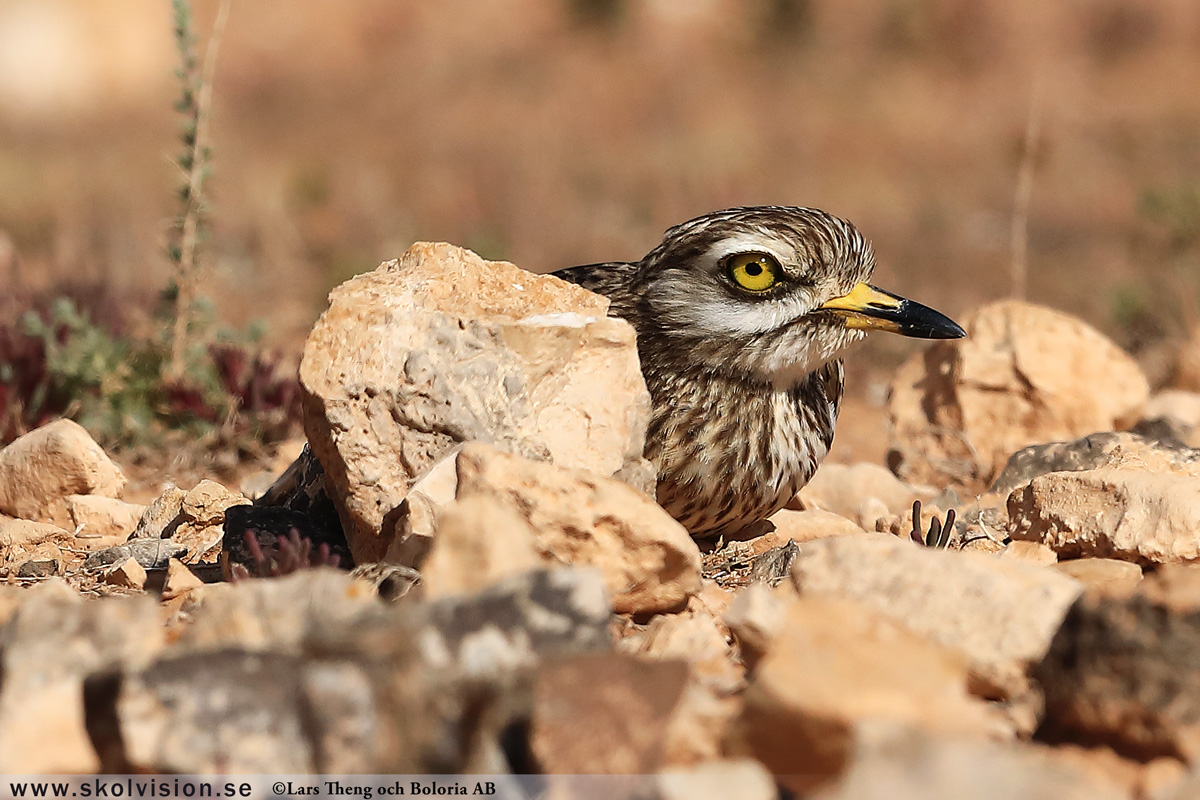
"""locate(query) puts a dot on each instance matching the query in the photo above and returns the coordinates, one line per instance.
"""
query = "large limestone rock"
(1024, 374)
(442, 347)
(311, 673)
(39, 470)
(902, 764)
(649, 561)
(48, 646)
(999, 613)
(1147, 517)
(834, 666)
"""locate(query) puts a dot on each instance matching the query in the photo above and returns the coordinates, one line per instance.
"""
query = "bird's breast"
(731, 451)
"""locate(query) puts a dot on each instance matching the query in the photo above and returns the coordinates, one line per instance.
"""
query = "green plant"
(58, 362)
(190, 376)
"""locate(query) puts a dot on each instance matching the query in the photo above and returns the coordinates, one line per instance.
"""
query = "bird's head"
(772, 291)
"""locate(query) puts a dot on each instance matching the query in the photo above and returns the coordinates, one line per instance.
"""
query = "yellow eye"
(754, 272)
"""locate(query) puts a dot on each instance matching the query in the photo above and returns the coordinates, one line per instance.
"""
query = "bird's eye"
(754, 272)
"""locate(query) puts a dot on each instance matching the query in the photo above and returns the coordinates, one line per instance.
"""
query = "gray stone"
(1090, 452)
(150, 553)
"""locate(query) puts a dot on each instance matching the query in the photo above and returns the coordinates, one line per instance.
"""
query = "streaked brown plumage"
(740, 315)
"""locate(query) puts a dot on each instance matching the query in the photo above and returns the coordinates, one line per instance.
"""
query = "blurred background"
(557, 132)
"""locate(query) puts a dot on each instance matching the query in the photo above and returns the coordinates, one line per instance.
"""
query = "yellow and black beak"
(868, 308)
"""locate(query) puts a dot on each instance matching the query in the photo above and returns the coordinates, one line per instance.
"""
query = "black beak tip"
(952, 330)
(923, 322)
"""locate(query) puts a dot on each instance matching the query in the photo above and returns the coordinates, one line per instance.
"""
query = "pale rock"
(805, 526)
(999, 613)
(649, 561)
(200, 526)
(604, 714)
(417, 514)
(22, 541)
(743, 778)
(708, 704)
(1147, 517)
(1163, 777)
(1134, 778)
(440, 482)
(1105, 575)
(517, 624)
(231, 711)
(479, 541)
(206, 502)
(40, 469)
(276, 614)
(713, 600)
(697, 639)
(700, 723)
(1023, 374)
(103, 516)
(756, 616)
(22, 533)
(441, 348)
(1174, 587)
(854, 491)
(10, 599)
(48, 646)
(180, 579)
(1031, 552)
(402, 689)
(895, 763)
(162, 516)
(43, 731)
(871, 511)
(416, 525)
(128, 573)
(835, 666)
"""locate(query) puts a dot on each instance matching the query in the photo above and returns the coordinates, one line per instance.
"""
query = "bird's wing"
(607, 279)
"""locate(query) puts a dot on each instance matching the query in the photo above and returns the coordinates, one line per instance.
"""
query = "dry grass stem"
(1024, 193)
(187, 277)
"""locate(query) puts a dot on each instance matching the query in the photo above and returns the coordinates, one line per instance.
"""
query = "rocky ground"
(517, 602)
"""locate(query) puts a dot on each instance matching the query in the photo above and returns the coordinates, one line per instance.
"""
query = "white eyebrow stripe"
(750, 243)
(703, 307)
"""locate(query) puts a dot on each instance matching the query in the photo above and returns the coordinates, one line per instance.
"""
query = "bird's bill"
(868, 308)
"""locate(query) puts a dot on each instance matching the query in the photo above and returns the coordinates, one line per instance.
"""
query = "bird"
(740, 317)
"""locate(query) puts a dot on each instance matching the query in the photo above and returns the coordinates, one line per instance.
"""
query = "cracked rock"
(442, 347)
